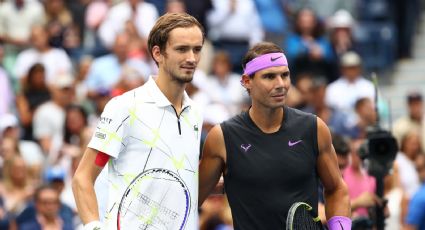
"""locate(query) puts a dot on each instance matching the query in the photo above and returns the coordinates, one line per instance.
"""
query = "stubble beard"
(181, 78)
(276, 105)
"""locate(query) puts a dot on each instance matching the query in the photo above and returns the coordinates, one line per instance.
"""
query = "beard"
(182, 79)
(182, 76)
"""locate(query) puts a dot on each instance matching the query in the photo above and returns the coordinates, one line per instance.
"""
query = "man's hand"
(366, 200)
(94, 225)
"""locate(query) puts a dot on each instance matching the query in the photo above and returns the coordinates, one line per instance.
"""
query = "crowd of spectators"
(62, 60)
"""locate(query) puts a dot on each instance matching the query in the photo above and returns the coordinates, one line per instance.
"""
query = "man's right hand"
(94, 225)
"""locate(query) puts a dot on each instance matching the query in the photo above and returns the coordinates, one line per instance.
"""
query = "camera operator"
(361, 186)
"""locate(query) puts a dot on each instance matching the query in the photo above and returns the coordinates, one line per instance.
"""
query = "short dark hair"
(341, 144)
(318, 29)
(260, 49)
(165, 24)
(414, 97)
(41, 188)
(360, 102)
(36, 68)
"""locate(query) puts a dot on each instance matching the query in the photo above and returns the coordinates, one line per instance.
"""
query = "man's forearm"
(337, 202)
(86, 201)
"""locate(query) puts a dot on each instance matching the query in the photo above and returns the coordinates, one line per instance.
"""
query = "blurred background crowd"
(62, 60)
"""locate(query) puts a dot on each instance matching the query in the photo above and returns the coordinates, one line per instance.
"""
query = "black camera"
(380, 150)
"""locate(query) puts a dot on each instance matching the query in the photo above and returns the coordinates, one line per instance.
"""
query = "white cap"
(341, 19)
(350, 58)
(8, 120)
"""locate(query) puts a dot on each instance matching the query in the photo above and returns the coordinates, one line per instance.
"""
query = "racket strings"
(152, 202)
(303, 220)
(301, 217)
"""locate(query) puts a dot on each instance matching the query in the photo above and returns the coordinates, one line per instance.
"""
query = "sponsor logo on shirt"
(105, 120)
(290, 143)
(245, 147)
(100, 135)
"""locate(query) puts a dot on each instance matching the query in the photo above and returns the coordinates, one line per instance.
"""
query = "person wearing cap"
(49, 118)
(272, 155)
(413, 121)
(343, 93)
(341, 32)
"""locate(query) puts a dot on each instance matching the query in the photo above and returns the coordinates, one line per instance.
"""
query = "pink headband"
(265, 61)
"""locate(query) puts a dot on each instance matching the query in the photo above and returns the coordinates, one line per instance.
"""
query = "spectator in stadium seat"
(224, 86)
(366, 116)
(55, 60)
(410, 148)
(47, 215)
(138, 12)
(307, 47)
(336, 120)
(413, 121)
(107, 71)
(351, 84)
(415, 219)
(17, 17)
(49, 118)
(225, 30)
(16, 188)
(361, 185)
(341, 32)
(34, 93)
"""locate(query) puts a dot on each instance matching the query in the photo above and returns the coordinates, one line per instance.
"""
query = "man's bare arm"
(409, 227)
(212, 162)
(83, 186)
(337, 201)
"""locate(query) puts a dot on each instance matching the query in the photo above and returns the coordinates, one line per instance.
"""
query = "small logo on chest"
(290, 143)
(245, 147)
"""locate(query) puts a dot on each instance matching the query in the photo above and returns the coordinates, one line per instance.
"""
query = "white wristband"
(94, 225)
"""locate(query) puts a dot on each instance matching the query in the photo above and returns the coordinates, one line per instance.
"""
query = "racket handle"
(94, 225)
(339, 223)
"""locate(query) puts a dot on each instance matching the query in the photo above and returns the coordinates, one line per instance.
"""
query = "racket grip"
(94, 225)
(339, 223)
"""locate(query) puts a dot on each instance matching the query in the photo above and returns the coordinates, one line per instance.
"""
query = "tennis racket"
(155, 199)
(301, 217)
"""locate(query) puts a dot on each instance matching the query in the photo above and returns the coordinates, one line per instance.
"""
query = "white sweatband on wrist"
(94, 225)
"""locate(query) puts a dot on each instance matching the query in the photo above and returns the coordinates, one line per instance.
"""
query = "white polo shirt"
(153, 171)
